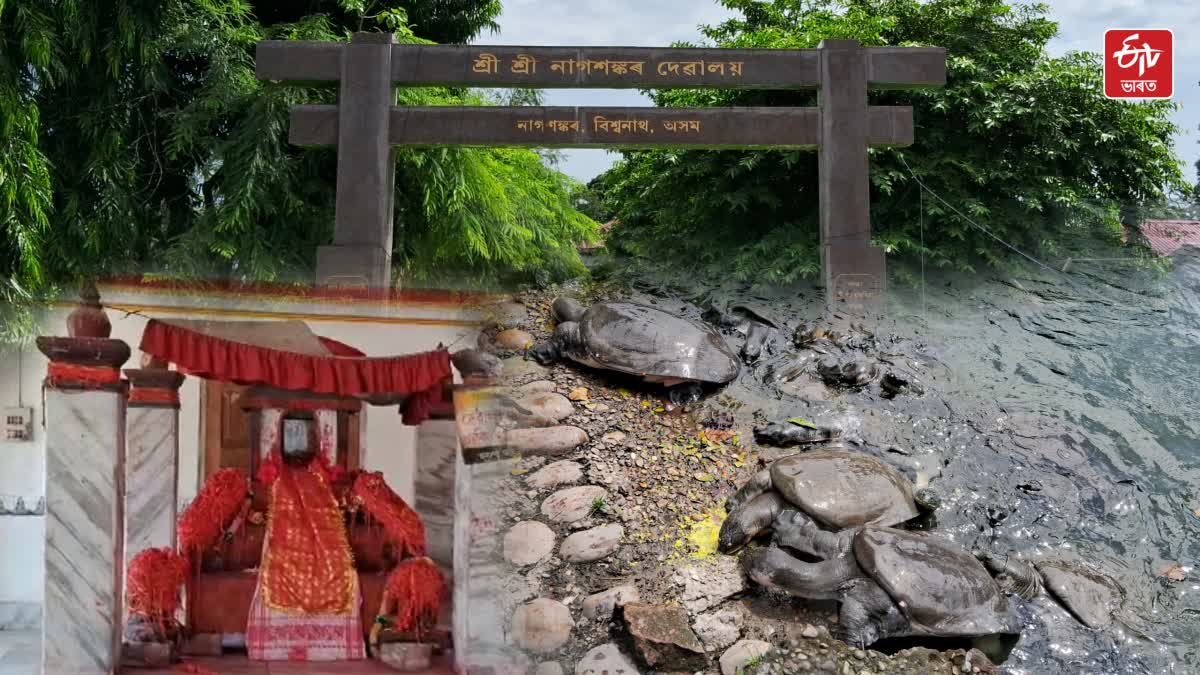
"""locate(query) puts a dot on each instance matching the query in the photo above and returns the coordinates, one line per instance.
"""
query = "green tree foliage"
(134, 137)
(1024, 144)
(590, 199)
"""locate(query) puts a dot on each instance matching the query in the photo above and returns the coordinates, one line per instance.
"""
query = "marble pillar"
(85, 498)
(437, 448)
(152, 460)
(484, 593)
(433, 496)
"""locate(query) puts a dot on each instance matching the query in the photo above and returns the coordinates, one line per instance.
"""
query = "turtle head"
(545, 353)
(565, 340)
(928, 500)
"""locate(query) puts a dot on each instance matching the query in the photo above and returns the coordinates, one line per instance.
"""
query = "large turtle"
(891, 583)
(838, 488)
(640, 340)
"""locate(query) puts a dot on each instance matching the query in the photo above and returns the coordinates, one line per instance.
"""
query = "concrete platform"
(21, 654)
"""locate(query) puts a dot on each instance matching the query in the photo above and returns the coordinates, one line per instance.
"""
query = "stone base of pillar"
(365, 266)
(855, 282)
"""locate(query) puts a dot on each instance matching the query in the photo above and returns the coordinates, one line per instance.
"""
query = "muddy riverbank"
(1058, 421)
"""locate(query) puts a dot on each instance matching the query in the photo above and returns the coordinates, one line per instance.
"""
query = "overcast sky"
(650, 23)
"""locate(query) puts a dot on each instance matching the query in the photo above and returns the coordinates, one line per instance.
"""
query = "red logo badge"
(1138, 63)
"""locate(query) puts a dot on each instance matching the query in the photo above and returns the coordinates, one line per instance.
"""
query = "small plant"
(751, 665)
(598, 506)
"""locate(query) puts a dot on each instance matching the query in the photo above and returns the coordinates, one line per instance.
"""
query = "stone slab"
(856, 280)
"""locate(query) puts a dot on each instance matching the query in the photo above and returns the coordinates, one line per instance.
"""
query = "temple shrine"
(293, 549)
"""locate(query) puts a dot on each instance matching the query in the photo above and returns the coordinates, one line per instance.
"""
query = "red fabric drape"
(418, 407)
(339, 348)
(217, 358)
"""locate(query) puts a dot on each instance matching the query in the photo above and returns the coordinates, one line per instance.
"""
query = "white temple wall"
(388, 445)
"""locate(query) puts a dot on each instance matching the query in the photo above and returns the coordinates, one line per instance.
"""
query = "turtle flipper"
(869, 615)
(795, 530)
(685, 394)
(1013, 574)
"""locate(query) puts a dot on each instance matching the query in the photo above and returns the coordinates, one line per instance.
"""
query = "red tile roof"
(1166, 236)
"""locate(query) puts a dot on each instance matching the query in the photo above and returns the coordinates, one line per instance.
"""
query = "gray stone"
(517, 366)
(528, 543)
(663, 638)
(591, 545)
(572, 504)
(508, 313)
(709, 583)
(810, 631)
(406, 656)
(606, 659)
(542, 625)
(547, 404)
(535, 387)
(513, 338)
(737, 656)
(555, 474)
(602, 604)
(719, 629)
(548, 668)
(546, 441)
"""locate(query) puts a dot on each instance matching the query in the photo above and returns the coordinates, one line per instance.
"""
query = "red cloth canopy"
(288, 355)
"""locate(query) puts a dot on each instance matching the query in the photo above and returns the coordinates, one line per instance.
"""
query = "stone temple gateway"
(365, 125)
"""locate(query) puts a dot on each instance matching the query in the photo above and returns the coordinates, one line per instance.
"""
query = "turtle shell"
(842, 488)
(1087, 594)
(944, 591)
(659, 346)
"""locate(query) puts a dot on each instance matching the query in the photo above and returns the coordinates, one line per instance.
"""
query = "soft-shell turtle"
(891, 583)
(640, 340)
(837, 488)
(1089, 595)
(854, 373)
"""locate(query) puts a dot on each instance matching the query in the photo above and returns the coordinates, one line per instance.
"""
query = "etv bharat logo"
(1138, 63)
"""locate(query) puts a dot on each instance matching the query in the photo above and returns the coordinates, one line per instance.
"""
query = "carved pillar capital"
(84, 362)
(153, 387)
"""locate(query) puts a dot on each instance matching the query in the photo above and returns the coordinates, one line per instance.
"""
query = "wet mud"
(1059, 419)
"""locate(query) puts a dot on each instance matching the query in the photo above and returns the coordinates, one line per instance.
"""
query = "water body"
(1062, 420)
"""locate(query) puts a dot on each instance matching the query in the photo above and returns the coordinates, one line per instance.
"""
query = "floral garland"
(418, 588)
(403, 526)
(216, 505)
(152, 584)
